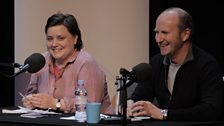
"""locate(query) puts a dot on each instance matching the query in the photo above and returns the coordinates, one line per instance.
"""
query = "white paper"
(73, 117)
(31, 115)
(17, 111)
(25, 112)
(68, 118)
(140, 118)
(106, 116)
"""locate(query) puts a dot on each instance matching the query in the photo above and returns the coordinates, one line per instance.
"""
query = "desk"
(54, 120)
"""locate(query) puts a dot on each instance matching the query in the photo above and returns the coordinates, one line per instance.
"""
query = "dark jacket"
(197, 92)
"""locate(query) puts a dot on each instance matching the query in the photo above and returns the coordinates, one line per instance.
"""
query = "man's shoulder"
(156, 61)
(202, 55)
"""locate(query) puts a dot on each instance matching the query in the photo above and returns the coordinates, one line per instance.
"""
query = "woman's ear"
(75, 39)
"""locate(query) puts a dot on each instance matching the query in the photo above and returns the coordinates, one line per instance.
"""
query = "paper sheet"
(106, 116)
(25, 112)
(16, 111)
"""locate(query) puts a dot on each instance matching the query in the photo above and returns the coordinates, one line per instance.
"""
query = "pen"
(22, 95)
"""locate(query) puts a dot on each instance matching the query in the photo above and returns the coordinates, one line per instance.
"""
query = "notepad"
(32, 115)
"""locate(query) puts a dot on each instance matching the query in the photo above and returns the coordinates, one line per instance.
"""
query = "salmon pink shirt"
(61, 82)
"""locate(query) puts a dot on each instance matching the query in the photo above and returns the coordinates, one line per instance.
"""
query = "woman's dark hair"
(69, 22)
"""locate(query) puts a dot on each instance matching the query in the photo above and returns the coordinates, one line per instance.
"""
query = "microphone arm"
(10, 65)
(139, 73)
(129, 77)
(32, 64)
(126, 85)
(123, 98)
(21, 70)
(16, 65)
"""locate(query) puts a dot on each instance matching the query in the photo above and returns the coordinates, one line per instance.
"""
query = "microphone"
(139, 73)
(32, 64)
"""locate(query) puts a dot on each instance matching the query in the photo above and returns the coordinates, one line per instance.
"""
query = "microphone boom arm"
(123, 96)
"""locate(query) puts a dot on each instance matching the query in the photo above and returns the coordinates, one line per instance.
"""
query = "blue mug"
(93, 112)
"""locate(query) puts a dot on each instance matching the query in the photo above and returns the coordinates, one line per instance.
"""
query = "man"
(187, 81)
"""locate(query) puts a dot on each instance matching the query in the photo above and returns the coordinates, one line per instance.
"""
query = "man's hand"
(145, 108)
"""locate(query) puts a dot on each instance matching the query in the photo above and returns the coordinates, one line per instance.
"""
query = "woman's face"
(60, 43)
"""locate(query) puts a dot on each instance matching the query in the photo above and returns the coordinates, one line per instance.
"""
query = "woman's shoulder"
(85, 55)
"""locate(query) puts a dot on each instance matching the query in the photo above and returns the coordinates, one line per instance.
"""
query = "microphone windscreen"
(36, 61)
(142, 71)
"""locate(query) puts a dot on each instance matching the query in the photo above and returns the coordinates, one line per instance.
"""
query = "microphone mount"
(123, 96)
(21, 68)
(128, 77)
(13, 65)
(17, 65)
(139, 74)
(32, 64)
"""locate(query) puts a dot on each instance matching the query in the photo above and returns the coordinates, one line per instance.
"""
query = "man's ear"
(185, 35)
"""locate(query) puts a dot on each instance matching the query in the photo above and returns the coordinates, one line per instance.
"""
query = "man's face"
(168, 35)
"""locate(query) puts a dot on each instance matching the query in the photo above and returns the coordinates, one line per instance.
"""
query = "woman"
(66, 63)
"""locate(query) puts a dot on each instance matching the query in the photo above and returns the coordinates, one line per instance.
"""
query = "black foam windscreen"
(142, 72)
(35, 61)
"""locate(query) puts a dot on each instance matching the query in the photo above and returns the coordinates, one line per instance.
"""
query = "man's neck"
(181, 55)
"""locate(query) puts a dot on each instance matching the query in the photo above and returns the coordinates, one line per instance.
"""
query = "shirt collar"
(190, 56)
(71, 59)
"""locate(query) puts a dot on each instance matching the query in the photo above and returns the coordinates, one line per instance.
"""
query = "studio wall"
(115, 32)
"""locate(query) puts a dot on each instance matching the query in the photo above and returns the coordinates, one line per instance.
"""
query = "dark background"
(6, 52)
(208, 20)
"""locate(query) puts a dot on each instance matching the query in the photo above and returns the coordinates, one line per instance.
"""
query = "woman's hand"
(27, 101)
(43, 100)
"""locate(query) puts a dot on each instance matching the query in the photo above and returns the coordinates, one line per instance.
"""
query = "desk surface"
(54, 120)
